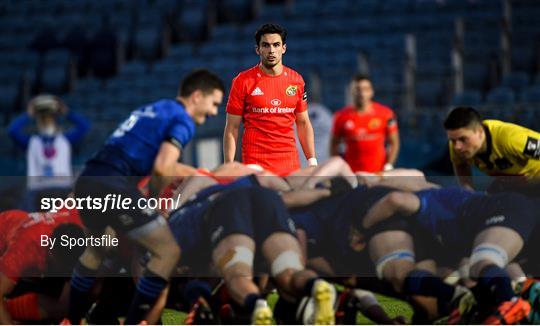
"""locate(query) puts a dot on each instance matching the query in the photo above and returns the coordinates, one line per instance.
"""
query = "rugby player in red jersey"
(269, 99)
(367, 128)
(24, 258)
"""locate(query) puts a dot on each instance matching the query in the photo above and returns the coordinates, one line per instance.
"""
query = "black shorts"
(97, 185)
(253, 211)
(505, 209)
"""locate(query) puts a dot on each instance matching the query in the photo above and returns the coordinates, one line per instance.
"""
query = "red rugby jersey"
(24, 252)
(365, 135)
(268, 105)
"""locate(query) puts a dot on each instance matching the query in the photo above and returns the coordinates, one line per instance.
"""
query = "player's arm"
(336, 166)
(405, 203)
(393, 147)
(166, 165)
(6, 286)
(335, 136)
(230, 137)
(300, 198)
(306, 136)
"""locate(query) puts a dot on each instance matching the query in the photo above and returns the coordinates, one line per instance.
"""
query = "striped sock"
(82, 281)
(148, 290)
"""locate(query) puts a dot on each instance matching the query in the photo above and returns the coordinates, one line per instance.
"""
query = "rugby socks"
(82, 281)
(148, 291)
(195, 289)
(250, 301)
(24, 307)
(308, 287)
(420, 282)
(496, 280)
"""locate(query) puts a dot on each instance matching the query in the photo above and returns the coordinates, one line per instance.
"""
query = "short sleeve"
(391, 123)
(235, 103)
(181, 131)
(301, 105)
(523, 143)
(337, 125)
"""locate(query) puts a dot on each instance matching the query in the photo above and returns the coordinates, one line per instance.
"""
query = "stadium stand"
(135, 61)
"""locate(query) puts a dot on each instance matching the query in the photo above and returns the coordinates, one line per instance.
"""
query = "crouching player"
(498, 228)
(238, 227)
(33, 276)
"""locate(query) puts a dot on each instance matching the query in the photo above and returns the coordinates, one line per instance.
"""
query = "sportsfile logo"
(109, 202)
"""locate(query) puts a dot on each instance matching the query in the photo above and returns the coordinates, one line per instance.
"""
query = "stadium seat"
(516, 81)
(531, 94)
(500, 96)
(55, 80)
(8, 101)
(467, 98)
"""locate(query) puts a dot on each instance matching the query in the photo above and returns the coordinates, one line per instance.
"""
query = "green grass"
(392, 306)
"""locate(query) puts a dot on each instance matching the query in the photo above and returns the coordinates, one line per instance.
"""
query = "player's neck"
(365, 107)
(186, 104)
(273, 71)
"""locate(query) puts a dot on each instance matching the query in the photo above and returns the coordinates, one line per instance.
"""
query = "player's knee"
(393, 266)
(239, 255)
(287, 260)
(487, 254)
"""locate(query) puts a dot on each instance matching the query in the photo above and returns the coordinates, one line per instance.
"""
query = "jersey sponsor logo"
(495, 219)
(374, 123)
(273, 110)
(532, 147)
(257, 92)
(275, 102)
(291, 90)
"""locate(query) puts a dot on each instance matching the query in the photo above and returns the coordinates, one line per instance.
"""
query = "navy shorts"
(254, 211)
(99, 183)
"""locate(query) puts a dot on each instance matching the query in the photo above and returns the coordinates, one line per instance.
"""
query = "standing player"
(367, 128)
(495, 147)
(269, 98)
(150, 141)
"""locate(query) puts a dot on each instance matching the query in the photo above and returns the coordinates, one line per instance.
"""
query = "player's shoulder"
(249, 73)
(293, 74)
(383, 109)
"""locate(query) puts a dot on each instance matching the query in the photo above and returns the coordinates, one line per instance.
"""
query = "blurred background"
(106, 58)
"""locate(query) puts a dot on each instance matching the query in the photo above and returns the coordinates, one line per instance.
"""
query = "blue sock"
(195, 289)
(148, 290)
(82, 281)
(496, 281)
(420, 282)
(250, 301)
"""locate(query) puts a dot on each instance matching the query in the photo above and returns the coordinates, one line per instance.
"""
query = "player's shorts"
(505, 209)
(99, 182)
(188, 227)
(253, 211)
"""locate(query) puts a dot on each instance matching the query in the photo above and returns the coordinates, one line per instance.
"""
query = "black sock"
(195, 289)
(285, 312)
(309, 286)
(250, 301)
(82, 281)
(496, 280)
(148, 290)
(419, 282)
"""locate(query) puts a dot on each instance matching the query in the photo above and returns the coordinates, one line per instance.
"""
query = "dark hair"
(462, 117)
(359, 77)
(200, 79)
(270, 29)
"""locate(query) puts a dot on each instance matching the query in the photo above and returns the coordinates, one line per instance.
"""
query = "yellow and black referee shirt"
(511, 150)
